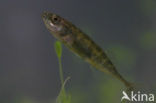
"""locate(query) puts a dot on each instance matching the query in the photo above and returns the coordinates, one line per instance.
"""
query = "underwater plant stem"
(61, 77)
(61, 71)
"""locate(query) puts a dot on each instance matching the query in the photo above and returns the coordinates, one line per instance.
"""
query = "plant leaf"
(63, 97)
(58, 49)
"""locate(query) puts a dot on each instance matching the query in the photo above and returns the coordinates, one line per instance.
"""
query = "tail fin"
(130, 87)
(134, 86)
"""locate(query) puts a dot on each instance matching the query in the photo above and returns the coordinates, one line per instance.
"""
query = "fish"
(82, 45)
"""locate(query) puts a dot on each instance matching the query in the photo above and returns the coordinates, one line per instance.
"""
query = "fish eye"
(55, 19)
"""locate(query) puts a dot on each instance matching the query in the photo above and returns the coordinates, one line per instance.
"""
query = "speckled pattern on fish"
(81, 44)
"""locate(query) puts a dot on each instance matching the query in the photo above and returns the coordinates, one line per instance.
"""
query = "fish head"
(55, 24)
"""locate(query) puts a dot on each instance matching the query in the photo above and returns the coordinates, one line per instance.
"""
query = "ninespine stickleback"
(81, 44)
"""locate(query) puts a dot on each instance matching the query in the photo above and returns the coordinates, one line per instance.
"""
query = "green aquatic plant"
(58, 50)
(148, 41)
(63, 97)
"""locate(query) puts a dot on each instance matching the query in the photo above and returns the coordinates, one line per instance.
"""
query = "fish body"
(81, 44)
